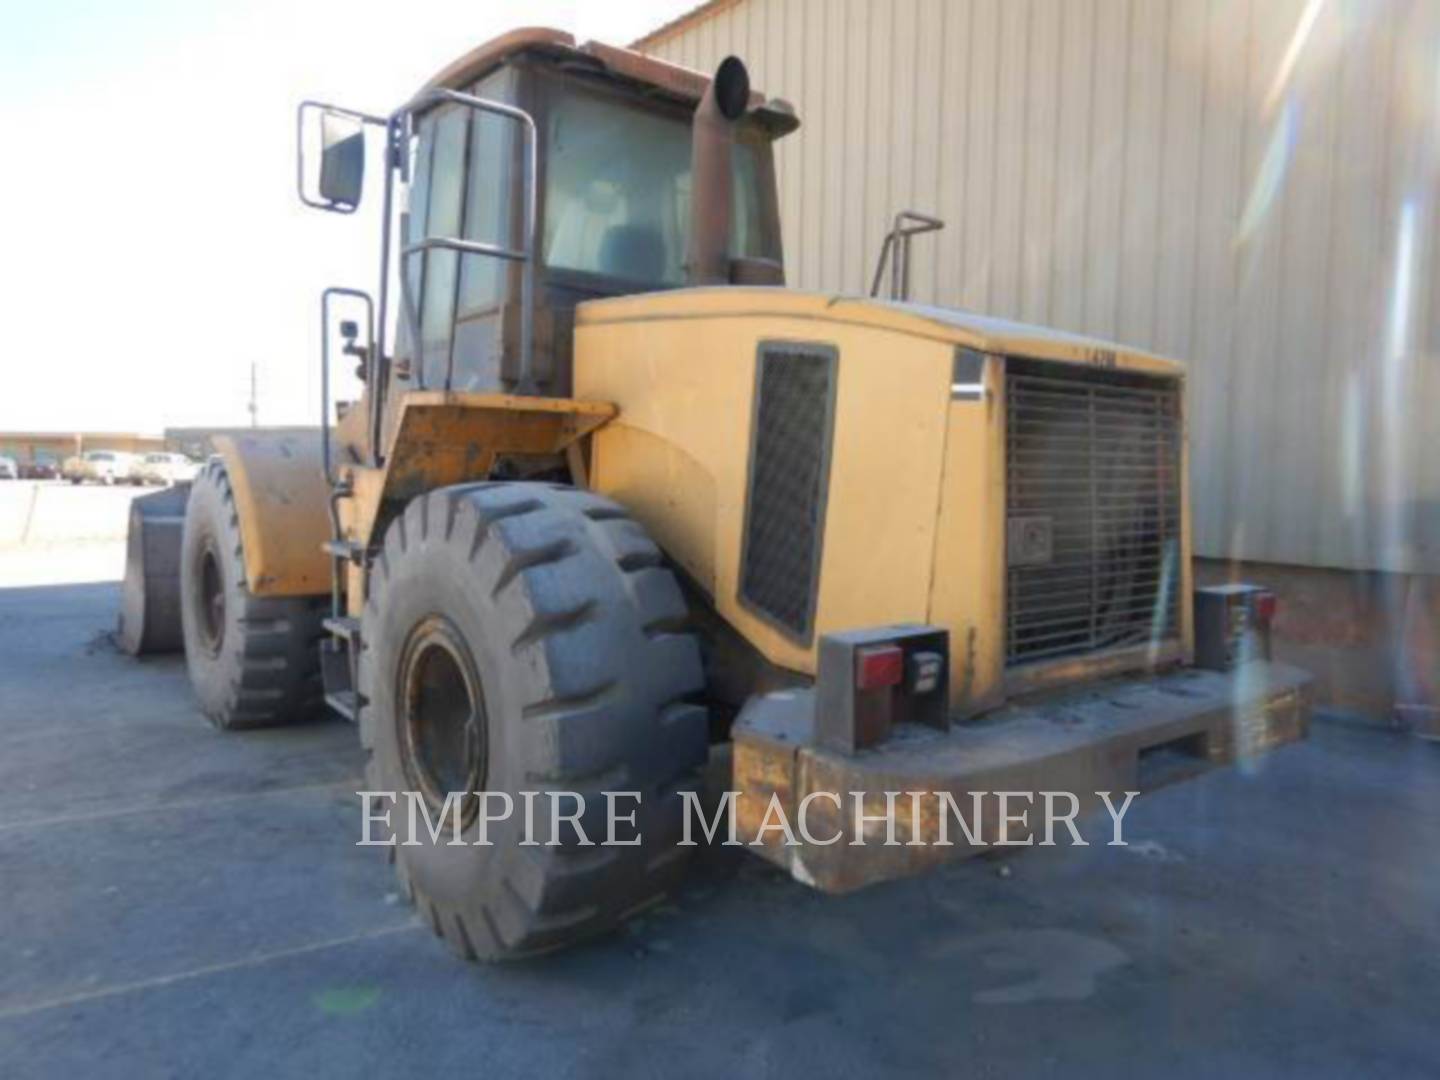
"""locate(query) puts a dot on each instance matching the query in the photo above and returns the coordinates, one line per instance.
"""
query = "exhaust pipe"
(724, 103)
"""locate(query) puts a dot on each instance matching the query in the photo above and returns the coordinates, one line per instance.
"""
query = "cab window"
(463, 186)
(617, 191)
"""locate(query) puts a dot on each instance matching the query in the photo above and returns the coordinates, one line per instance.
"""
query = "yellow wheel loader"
(613, 495)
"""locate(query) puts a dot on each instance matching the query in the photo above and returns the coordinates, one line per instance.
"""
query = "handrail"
(395, 159)
(896, 249)
(398, 128)
(325, 297)
(397, 131)
(467, 247)
(336, 491)
(527, 255)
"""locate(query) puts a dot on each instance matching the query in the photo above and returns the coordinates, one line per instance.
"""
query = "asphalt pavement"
(175, 901)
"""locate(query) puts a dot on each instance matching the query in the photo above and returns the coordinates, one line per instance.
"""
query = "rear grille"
(1092, 509)
(789, 478)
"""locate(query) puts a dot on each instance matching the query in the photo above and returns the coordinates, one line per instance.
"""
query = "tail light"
(870, 680)
(879, 666)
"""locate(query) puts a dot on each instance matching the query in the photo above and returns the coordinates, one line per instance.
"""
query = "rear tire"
(254, 661)
(526, 637)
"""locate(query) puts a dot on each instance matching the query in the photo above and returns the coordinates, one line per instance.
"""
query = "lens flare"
(1270, 178)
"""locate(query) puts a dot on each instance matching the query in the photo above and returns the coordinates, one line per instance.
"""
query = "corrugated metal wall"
(1248, 185)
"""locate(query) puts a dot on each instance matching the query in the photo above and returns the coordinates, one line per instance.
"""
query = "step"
(346, 549)
(343, 626)
(346, 703)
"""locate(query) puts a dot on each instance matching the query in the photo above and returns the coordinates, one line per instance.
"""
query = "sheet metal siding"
(1176, 174)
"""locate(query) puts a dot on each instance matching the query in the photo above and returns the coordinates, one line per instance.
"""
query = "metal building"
(1247, 185)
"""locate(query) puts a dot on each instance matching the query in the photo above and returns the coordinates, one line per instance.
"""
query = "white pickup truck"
(99, 466)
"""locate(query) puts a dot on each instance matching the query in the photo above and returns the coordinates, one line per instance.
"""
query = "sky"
(154, 244)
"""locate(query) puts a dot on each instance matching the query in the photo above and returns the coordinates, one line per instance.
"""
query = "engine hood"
(983, 333)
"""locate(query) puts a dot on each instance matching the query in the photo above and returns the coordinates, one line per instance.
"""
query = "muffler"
(711, 179)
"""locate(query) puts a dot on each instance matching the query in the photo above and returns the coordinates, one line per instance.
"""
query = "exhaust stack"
(711, 180)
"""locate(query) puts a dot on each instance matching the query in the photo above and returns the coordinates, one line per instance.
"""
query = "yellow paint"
(668, 489)
(678, 457)
(967, 589)
(979, 332)
(279, 485)
(444, 437)
(914, 526)
(440, 438)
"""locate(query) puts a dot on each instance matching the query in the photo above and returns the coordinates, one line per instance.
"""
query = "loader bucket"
(150, 599)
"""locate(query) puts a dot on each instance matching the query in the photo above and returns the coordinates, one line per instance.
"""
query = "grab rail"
(908, 223)
(526, 254)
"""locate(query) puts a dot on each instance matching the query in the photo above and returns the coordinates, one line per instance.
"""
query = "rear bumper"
(1116, 736)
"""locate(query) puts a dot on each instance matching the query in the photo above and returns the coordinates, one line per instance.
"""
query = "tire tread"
(621, 672)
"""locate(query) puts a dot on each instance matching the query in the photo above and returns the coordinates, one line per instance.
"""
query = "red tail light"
(879, 666)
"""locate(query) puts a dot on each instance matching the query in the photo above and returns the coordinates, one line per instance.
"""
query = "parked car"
(99, 466)
(163, 468)
(8, 469)
(40, 469)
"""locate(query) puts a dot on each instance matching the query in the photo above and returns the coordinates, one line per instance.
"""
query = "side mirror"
(342, 159)
(340, 138)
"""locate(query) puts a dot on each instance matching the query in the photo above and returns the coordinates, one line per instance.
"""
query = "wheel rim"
(211, 601)
(442, 723)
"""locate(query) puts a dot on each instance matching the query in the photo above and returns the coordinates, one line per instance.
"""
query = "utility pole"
(254, 402)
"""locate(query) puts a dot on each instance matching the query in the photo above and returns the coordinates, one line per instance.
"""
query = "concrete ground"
(178, 902)
(40, 513)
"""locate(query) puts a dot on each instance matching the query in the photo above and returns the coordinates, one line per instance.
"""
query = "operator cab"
(613, 153)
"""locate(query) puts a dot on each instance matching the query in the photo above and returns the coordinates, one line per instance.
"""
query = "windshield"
(618, 191)
(99, 456)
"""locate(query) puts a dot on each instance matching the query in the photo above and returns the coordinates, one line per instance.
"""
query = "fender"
(278, 479)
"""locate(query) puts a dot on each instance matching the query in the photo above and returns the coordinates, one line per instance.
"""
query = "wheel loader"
(613, 497)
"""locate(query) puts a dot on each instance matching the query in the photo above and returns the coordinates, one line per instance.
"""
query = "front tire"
(526, 637)
(254, 661)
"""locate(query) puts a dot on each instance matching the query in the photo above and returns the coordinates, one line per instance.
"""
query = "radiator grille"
(1092, 508)
(789, 477)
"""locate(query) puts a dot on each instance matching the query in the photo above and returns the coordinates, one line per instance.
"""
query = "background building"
(1248, 185)
(51, 448)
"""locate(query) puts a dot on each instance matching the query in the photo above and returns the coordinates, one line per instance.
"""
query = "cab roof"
(681, 84)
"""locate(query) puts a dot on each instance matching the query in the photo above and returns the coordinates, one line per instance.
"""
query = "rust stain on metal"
(1101, 747)
(443, 438)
